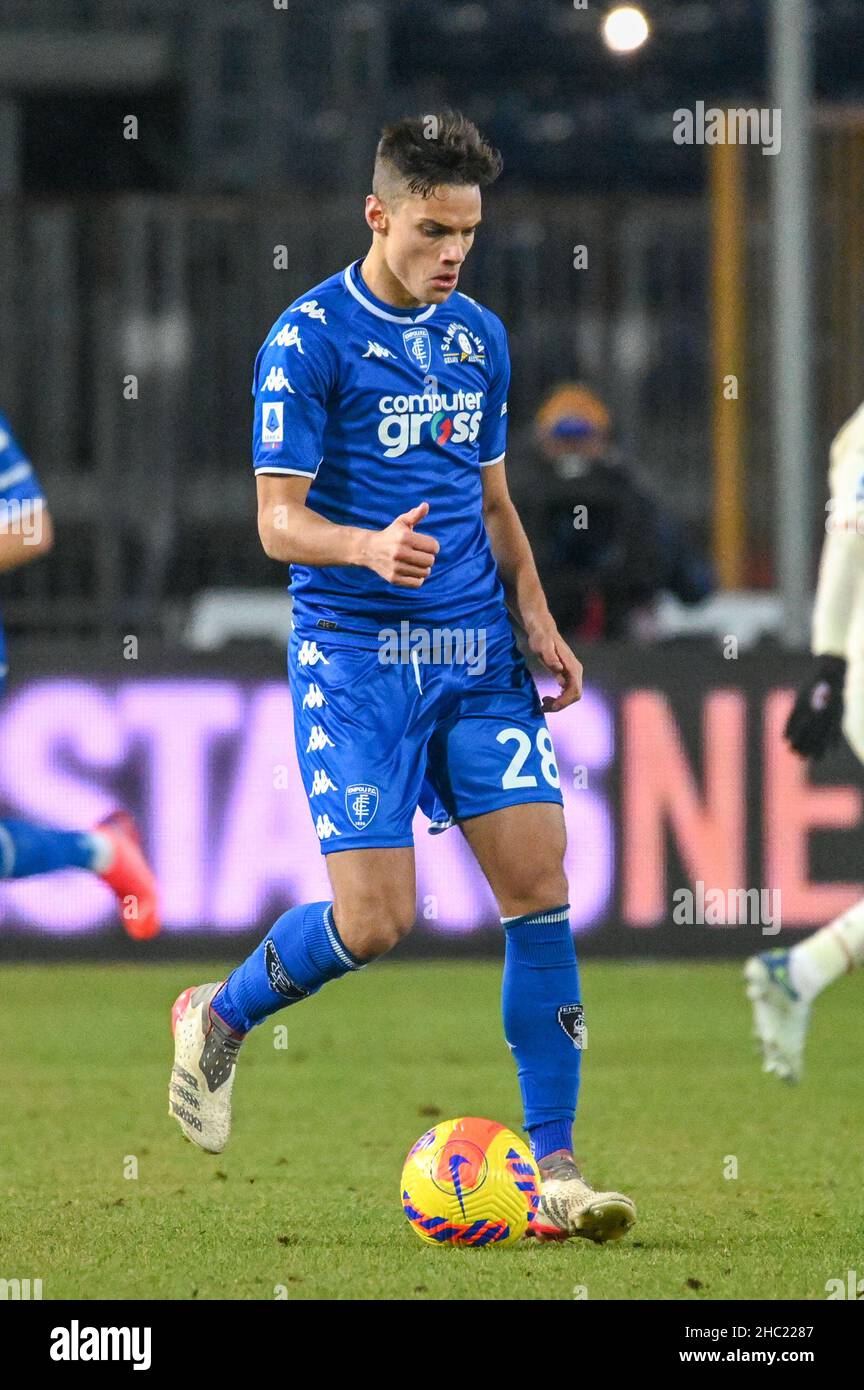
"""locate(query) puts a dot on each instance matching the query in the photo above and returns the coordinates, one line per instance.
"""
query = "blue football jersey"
(18, 483)
(385, 408)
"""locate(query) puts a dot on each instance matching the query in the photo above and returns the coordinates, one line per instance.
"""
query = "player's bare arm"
(295, 534)
(23, 543)
(525, 596)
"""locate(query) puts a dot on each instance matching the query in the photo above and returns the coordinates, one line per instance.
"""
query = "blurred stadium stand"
(154, 257)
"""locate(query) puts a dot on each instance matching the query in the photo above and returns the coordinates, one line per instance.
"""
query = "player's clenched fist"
(399, 553)
(817, 716)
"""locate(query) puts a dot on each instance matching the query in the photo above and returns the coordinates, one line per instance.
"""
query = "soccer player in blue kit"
(379, 438)
(111, 849)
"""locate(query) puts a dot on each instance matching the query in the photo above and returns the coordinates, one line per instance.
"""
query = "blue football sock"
(27, 849)
(301, 953)
(542, 1022)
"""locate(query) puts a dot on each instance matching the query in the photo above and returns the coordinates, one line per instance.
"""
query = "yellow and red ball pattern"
(470, 1182)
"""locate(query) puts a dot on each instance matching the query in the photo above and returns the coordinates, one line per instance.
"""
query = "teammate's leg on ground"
(521, 851)
(111, 850)
(27, 849)
(374, 901)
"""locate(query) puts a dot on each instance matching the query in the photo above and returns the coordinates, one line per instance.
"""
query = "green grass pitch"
(304, 1203)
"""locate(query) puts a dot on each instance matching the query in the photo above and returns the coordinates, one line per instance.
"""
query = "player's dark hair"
(424, 152)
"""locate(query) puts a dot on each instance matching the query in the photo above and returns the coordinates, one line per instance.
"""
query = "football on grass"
(470, 1182)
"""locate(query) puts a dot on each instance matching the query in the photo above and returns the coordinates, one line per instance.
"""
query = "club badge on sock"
(278, 978)
(572, 1020)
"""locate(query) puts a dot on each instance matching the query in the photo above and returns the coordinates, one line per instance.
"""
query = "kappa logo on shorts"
(309, 655)
(278, 978)
(361, 803)
(321, 783)
(314, 697)
(572, 1020)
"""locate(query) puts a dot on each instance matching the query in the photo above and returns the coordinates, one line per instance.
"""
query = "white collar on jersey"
(382, 313)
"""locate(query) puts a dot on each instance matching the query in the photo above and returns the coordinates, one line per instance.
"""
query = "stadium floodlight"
(625, 28)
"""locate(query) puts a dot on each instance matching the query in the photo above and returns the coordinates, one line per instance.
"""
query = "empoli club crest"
(361, 803)
(418, 346)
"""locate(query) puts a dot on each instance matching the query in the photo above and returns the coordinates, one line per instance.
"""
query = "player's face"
(428, 239)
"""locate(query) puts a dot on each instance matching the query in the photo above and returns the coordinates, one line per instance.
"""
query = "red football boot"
(131, 877)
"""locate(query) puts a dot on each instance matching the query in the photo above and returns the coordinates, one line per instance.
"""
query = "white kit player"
(782, 984)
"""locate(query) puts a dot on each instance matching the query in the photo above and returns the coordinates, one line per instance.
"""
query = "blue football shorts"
(382, 731)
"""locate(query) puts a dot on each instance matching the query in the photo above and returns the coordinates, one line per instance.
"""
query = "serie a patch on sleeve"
(572, 1020)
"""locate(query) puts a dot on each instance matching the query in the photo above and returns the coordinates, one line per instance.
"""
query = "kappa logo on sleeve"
(313, 309)
(288, 337)
(276, 380)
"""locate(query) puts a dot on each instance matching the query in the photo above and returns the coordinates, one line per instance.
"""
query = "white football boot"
(202, 1078)
(569, 1207)
(780, 1015)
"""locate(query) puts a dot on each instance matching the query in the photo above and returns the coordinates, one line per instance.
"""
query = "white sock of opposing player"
(828, 953)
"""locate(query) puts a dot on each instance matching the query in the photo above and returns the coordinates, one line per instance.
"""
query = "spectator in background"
(605, 548)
